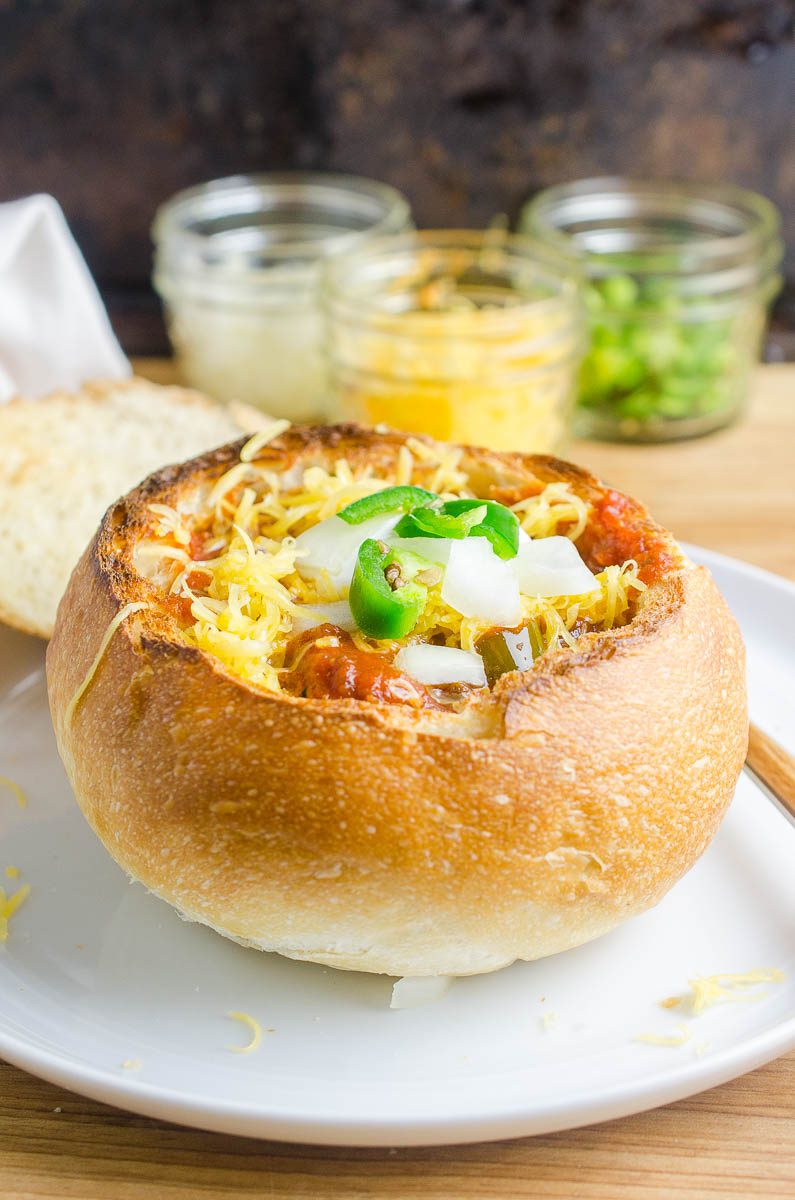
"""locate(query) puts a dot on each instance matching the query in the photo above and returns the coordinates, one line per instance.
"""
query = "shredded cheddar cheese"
(707, 990)
(678, 1038)
(261, 438)
(254, 1028)
(121, 615)
(9, 905)
(243, 589)
(15, 788)
(543, 515)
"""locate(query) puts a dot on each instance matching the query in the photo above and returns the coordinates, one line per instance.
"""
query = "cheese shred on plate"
(254, 1028)
(242, 589)
(9, 905)
(681, 1035)
(707, 990)
(15, 788)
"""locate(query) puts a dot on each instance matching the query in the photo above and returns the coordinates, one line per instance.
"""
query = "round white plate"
(96, 972)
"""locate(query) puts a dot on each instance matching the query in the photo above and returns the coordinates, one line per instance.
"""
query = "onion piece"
(414, 990)
(338, 612)
(552, 566)
(477, 583)
(441, 664)
(436, 550)
(328, 550)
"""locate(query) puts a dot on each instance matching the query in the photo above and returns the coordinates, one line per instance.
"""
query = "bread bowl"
(415, 830)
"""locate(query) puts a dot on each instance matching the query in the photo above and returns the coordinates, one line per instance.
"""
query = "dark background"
(467, 106)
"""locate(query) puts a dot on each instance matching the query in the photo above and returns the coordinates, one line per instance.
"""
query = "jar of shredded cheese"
(238, 267)
(470, 336)
(679, 280)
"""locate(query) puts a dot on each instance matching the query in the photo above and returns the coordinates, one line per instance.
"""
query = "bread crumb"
(132, 1064)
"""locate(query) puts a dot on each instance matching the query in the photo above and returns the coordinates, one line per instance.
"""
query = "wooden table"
(733, 492)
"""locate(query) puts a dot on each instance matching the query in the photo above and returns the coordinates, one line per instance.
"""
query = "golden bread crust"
(382, 838)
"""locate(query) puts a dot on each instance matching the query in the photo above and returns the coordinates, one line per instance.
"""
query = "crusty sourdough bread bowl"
(383, 838)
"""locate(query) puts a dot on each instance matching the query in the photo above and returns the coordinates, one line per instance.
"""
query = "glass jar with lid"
(470, 336)
(679, 281)
(238, 263)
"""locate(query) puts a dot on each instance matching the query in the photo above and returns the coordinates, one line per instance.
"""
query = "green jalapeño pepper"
(439, 522)
(384, 603)
(465, 518)
(391, 499)
(497, 523)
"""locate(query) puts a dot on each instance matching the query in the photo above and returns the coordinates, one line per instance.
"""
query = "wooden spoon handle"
(773, 768)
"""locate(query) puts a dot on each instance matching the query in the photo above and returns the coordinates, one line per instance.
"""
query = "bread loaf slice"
(66, 457)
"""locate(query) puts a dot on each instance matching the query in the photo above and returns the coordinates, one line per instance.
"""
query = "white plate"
(96, 972)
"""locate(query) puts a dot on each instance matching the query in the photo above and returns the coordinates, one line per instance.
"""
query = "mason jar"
(680, 278)
(238, 267)
(469, 336)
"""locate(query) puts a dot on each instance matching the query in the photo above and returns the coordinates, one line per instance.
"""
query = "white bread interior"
(65, 457)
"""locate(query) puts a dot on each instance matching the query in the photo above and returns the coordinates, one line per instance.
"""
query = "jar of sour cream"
(679, 281)
(469, 336)
(238, 263)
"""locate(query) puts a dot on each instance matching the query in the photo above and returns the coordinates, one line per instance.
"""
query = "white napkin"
(54, 331)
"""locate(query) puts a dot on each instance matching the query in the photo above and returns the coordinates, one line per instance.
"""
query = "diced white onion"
(441, 664)
(477, 583)
(338, 612)
(436, 550)
(414, 990)
(329, 549)
(552, 566)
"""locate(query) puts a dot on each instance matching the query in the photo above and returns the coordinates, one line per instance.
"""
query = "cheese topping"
(261, 438)
(243, 594)
(121, 615)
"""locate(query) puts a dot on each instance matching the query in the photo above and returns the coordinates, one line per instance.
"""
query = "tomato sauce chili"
(335, 669)
(617, 530)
